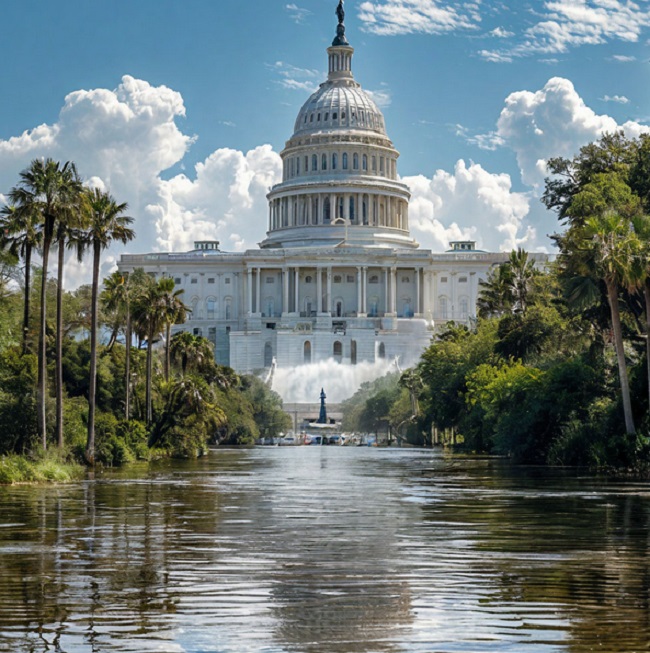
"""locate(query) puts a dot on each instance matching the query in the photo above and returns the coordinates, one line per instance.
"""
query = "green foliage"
(20, 469)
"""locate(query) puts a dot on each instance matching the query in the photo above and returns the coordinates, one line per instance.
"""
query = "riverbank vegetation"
(137, 393)
(555, 369)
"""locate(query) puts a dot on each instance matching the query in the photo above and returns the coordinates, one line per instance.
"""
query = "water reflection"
(326, 550)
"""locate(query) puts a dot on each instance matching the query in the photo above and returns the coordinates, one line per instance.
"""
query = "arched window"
(338, 278)
(314, 162)
(228, 308)
(381, 350)
(210, 306)
(353, 352)
(339, 308)
(373, 279)
(314, 210)
(344, 163)
(324, 162)
(306, 352)
(335, 161)
(355, 161)
(374, 164)
(308, 279)
(337, 351)
(364, 209)
(364, 162)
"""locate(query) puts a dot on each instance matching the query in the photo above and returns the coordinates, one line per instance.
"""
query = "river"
(327, 550)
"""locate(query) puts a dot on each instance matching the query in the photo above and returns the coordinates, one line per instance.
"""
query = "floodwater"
(327, 550)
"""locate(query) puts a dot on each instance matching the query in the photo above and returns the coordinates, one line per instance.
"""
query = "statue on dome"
(340, 28)
(340, 12)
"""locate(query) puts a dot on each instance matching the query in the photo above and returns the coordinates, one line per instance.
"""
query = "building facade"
(338, 275)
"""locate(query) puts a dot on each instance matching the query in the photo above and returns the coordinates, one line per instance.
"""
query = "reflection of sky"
(326, 550)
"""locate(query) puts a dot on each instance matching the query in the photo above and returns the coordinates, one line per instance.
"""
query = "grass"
(20, 469)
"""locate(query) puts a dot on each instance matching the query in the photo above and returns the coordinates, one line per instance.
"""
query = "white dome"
(340, 105)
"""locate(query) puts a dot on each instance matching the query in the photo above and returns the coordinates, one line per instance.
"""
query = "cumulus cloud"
(122, 139)
(619, 99)
(470, 203)
(295, 78)
(226, 201)
(391, 17)
(553, 121)
(298, 14)
(501, 33)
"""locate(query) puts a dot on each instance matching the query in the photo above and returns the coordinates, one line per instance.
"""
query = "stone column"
(359, 291)
(308, 200)
(285, 289)
(319, 290)
(418, 305)
(296, 307)
(258, 299)
(386, 293)
(334, 209)
(346, 206)
(329, 290)
(364, 301)
(393, 291)
(249, 289)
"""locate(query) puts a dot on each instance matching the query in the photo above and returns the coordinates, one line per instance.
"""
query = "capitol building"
(338, 276)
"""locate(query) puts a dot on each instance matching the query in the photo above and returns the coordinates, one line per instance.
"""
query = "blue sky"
(181, 108)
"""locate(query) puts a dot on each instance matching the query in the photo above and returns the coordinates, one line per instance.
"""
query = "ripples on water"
(326, 550)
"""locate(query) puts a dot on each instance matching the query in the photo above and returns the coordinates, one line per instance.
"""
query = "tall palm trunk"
(42, 354)
(612, 296)
(28, 279)
(92, 391)
(58, 382)
(646, 292)
(127, 363)
(149, 375)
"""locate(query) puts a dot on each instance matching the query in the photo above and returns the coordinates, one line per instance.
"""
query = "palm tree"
(175, 312)
(106, 223)
(20, 235)
(496, 296)
(149, 315)
(522, 271)
(50, 191)
(607, 245)
(192, 351)
(116, 299)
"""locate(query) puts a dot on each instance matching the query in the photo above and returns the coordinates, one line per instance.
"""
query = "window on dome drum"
(342, 115)
(318, 117)
(335, 161)
(344, 163)
(353, 215)
(311, 118)
(293, 168)
(349, 278)
(334, 116)
(406, 280)
(337, 278)
(373, 279)
(355, 162)
(307, 279)
(327, 115)
(314, 163)
(381, 164)
(324, 162)
(374, 164)
(211, 280)
(297, 165)
(306, 164)
(227, 280)
(364, 162)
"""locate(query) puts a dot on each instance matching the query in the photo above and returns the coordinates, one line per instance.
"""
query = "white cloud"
(567, 24)
(501, 33)
(619, 99)
(225, 201)
(298, 14)
(623, 58)
(122, 138)
(470, 203)
(381, 98)
(295, 78)
(391, 17)
(553, 121)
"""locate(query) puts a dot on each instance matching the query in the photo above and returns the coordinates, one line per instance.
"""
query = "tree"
(116, 298)
(607, 246)
(174, 312)
(106, 223)
(20, 234)
(190, 350)
(48, 190)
